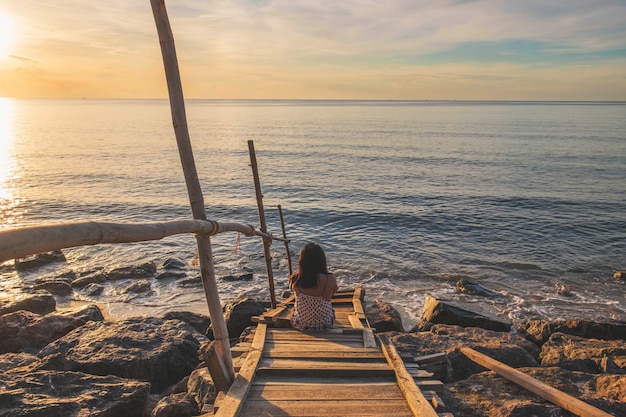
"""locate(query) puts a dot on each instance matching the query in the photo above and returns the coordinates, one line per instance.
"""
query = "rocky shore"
(75, 362)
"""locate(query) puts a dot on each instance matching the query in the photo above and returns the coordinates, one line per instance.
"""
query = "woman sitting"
(314, 287)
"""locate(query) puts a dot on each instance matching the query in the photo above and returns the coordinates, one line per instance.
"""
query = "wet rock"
(14, 361)
(176, 405)
(190, 282)
(66, 277)
(506, 347)
(383, 317)
(41, 303)
(23, 330)
(468, 287)
(38, 260)
(201, 387)
(585, 355)
(238, 315)
(174, 263)
(488, 394)
(171, 275)
(440, 312)
(137, 287)
(146, 270)
(241, 277)
(199, 322)
(90, 312)
(93, 278)
(155, 350)
(62, 394)
(539, 331)
(93, 290)
(61, 288)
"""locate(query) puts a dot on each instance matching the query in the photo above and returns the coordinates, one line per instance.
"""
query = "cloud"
(24, 59)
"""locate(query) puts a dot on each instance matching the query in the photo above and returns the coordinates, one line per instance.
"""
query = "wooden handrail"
(21, 242)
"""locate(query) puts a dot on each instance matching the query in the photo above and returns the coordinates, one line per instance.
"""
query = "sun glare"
(7, 34)
(6, 139)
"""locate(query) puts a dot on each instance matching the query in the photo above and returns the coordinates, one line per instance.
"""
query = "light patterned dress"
(312, 313)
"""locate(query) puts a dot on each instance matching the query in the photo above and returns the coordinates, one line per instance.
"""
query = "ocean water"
(527, 199)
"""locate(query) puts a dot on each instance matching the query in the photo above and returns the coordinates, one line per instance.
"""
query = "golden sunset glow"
(6, 142)
(447, 50)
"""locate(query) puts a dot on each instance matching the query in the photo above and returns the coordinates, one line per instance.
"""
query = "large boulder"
(383, 317)
(62, 394)
(40, 303)
(585, 355)
(87, 312)
(151, 349)
(26, 331)
(490, 395)
(539, 331)
(200, 322)
(443, 312)
(505, 347)
(201, 387)
(176, 405)
(238, 315)
(54, 286)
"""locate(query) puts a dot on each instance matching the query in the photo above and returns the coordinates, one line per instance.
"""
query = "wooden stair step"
(382, 408)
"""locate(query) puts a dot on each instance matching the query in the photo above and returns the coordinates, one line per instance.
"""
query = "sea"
(407, 198)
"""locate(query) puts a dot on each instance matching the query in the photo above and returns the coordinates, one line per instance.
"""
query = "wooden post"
(266, 242)
(566, 401)
(196, 199)
(282, 225)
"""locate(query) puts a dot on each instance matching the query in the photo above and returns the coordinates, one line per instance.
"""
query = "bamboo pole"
(566, 401)
(196, 199)
(282, 225)
(266, 242)
(18, 243)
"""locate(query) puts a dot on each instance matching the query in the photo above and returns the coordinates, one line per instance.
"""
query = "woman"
(314, 287)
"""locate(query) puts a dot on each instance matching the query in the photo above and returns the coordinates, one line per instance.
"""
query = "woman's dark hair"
(311, 262)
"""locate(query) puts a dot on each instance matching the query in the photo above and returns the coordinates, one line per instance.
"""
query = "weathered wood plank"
(323, 392)
(356, 354)
(236, 395)
(382, 408)
(414, 397)
(369, 341)
(323, 364)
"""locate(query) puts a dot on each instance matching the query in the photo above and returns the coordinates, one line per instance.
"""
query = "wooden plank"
(217, 369)
(369, 341)
(297, 344)
(324, 392)
(434, 358)
(417, 402)
(355, 321)
(235, 396)
(382, 408)
(322, 364)
(356, 354)
(545, 391)
(280, 380)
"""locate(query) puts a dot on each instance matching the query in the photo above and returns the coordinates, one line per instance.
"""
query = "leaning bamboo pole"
(196, 199)
(19, 243)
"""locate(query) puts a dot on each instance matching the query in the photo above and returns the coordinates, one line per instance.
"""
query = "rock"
(199, 322)
(151, 349)
(171, 275)
(41, 303)
(92, 290)
(93, 278)
(90, 312)
(242, 277)
(539, 331)
(146, 270)
(13, 361)
(437, 311)
(62, 394)
(176, 405)
(174, 263)
(383, 317)
(468, 287)
(505, 347)
(24, 330)
(190, 282)
(55, 287)
(585, 355)
(66, 277)
(137, 287)
(238, 315)
(200, 385)
(619, 275)
(38, 260)
(488, 394)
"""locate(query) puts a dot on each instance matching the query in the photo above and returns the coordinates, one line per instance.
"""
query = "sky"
(322, 49)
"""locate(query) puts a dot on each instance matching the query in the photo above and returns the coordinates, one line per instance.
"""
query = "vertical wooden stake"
(196, 199)
(282, 225)
(259, 202)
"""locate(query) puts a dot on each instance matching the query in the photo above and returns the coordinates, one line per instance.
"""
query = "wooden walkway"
(344, 371)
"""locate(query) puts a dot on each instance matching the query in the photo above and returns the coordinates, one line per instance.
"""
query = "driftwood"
(196, 199)
(18, 243)
(566, 401)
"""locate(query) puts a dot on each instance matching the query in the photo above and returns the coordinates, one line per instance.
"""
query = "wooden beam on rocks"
(560, 398)
(196, 199)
